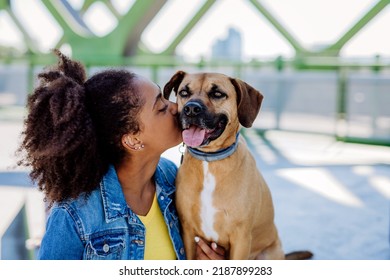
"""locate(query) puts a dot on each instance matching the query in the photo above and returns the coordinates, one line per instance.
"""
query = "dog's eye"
(217, 94)
(184, 93)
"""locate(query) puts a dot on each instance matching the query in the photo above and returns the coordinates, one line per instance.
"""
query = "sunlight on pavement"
(321, 182)
(312, 149)
(381, 184)
(378, 182)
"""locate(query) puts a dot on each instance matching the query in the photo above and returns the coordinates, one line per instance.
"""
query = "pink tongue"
(193, 136)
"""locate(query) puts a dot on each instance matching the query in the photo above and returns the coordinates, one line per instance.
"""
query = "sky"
(314, 23)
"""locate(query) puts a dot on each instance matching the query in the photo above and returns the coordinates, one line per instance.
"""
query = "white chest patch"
(207, 210)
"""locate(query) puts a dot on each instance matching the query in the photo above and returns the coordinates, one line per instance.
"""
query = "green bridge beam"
(69, 20)
(170, 50)
(121, 42)
(30, 44)
(4, 4)
(132, 25)
(359, 25)
(279, 27)
(88, 3)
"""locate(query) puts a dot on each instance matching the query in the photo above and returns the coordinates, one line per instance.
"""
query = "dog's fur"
(225, 201)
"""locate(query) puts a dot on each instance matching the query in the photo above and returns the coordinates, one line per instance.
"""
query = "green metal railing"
(123, 46)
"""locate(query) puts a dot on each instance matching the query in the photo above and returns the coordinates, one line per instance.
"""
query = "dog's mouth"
(198, 135)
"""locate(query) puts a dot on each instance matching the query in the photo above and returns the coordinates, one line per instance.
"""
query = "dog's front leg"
(189, 244)
(240, 246)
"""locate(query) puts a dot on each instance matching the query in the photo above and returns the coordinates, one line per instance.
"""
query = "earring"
(139, 148)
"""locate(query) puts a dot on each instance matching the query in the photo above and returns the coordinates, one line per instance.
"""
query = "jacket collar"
(114, 202)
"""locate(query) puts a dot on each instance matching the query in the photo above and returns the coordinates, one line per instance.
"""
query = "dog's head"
(212, 106)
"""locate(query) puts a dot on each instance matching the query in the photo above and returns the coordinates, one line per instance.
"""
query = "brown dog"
(221, 196)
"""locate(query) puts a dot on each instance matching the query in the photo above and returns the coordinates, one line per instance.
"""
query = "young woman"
(94, 147)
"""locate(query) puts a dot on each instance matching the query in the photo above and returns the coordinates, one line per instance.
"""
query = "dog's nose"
(192, 109)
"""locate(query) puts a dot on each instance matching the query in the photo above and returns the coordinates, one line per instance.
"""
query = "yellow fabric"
(158, 244)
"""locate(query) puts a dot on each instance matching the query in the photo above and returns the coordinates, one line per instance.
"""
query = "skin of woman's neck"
(136, 172)
(135, 175)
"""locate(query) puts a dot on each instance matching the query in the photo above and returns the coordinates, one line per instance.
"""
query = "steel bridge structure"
(123, 46)
(315, 91)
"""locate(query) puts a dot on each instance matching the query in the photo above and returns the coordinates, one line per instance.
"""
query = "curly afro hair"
(74, 127)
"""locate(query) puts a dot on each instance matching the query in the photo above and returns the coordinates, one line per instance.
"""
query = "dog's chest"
(208, 210)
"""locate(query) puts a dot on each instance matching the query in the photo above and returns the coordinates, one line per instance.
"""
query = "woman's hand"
(208, 252)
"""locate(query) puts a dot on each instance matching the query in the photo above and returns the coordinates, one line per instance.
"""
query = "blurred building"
(228, 48)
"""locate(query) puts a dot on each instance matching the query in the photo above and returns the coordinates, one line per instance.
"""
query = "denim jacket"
(103, 227)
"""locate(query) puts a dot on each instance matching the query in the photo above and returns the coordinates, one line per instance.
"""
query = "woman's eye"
(163, 109)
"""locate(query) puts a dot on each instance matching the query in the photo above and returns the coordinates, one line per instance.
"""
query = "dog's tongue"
(194, 136)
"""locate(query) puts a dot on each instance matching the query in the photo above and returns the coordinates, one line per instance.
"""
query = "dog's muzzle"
(193, 109)
(200, 127)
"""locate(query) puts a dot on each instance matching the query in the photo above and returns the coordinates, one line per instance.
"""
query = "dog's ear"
(173, 83)
(248, 102)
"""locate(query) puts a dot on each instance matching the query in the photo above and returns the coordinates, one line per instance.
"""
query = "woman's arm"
(61, 240)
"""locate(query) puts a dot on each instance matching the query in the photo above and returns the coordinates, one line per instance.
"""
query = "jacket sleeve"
(62, 238)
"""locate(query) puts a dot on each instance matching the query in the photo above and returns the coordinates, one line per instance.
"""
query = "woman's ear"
(132, 142)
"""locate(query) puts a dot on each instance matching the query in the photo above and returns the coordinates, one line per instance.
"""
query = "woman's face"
(158, 118)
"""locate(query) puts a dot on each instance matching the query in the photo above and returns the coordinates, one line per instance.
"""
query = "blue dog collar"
(214, 156)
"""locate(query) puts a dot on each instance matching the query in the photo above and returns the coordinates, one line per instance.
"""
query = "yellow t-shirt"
(158, 244)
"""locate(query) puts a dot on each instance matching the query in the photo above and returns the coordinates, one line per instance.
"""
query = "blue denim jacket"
(103, 227)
